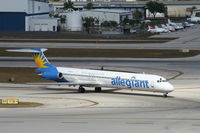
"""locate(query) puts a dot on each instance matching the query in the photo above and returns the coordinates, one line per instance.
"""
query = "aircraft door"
(152, 84)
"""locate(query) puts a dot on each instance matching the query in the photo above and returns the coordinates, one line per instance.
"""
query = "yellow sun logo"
(40, 62)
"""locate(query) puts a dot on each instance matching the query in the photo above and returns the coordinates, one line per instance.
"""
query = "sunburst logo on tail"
(40, 61)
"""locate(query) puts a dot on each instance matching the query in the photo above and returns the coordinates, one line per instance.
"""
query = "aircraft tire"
(165, 94)
(81, 89)
(97, 89)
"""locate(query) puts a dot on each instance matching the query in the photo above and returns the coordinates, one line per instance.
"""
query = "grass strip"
(20, 75)
(109, 53)
(21, 105)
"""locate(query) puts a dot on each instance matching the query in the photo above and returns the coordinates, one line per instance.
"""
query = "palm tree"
(68, 5)
(89, 5)
(88, 22)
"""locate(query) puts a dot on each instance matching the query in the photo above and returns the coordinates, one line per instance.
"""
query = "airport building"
(175, 8)
(107, 14)
(116, 0)
(73, 21)
(26, 15)
(196, 13)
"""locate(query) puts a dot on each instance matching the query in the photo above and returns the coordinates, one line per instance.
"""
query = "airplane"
(186, 24)
(168, 27)
(95, 78)
(156, 29)
(194, 19)
(177, 26)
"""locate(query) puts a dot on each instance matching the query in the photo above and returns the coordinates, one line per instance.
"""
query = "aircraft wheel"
(81, 89)
(97, 89)
(165, 94)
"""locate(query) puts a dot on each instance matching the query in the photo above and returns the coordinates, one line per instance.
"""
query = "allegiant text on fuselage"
(130, 83)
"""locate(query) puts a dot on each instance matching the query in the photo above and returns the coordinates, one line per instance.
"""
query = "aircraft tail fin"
(38, 56)
(169, 21)
(156, 27)
(150, 27)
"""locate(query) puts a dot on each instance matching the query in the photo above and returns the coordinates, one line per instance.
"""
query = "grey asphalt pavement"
(188, 38)
(117, 111)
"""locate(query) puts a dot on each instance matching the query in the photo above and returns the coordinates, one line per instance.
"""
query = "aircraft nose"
(169, 87)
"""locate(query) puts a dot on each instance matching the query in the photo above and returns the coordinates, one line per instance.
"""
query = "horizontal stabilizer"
(39, 57)
(33, 50)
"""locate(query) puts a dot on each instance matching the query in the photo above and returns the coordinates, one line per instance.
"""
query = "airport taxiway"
(65, 110)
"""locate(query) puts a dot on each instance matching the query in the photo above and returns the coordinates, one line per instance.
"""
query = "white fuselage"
(158, 30)
(194, 19)
(111, 79)
(168, 27)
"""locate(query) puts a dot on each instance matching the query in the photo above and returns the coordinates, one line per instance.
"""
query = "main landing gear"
(97, 89)
(165, 94)
(81, 89)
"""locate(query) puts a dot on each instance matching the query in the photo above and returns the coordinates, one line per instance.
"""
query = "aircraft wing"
(87, 84)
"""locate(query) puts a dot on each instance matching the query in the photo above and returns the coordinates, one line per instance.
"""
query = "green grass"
(21, 105)
(21, 75)
(111, 53)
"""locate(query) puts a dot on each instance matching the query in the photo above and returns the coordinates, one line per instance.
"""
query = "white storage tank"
(74, 21)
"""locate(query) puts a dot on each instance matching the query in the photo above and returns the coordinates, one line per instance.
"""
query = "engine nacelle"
(52, 75)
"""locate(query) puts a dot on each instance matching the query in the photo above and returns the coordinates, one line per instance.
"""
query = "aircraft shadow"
(110, 91)
(134, 94)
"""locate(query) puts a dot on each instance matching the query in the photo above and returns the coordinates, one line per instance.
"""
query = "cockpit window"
(161, 80)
